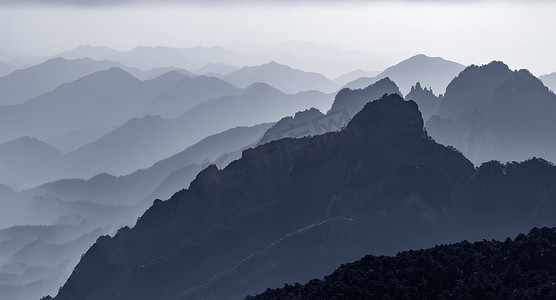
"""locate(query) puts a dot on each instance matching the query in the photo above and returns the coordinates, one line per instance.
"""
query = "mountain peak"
(354, 100)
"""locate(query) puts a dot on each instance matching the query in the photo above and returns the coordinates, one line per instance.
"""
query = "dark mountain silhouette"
(188, 93)
(491, 112)
(352, 101)
(282, 77)
(27, 83)
(434, 72)
(294, 209)
(300, 125)
(520, 268)
(354, 75)
(215, 69)
(427, 101)
(346, 104)
(549, 80)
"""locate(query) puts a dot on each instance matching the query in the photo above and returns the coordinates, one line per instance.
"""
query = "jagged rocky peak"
(475, 84)
(427, 101)
(352, 101)
(303, 123)
(282, 195)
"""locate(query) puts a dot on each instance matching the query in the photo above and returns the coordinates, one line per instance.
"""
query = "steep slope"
(427, 101)
(292, 209)
(300, 125)
(36, 260)
(352, 101)
(491, 112)
(519, 268)
(27, 83)
(278, 189)
(282, 77)
(549, 80)
(346, 104)
(188, 93)
(434, 72)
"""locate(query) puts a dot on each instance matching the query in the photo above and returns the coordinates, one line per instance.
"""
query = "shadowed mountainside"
(295, 209)
(491, 112)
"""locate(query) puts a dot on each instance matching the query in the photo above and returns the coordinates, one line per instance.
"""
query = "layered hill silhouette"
(282, 77)
(434, 72)
(519, 268)
(347, 103)
(549, 80)
(491, 112)
(24, 84)
(216, 69)
(80, 211)
(294, 209)
(353, 100)
(428, 102)
(140, 142)
(354, 75)
(20, 157)
(303, 123)
(188, 93)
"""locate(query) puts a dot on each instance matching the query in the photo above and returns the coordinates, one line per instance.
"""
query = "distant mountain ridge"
(24, 84)
(434, 72)
(282, 77)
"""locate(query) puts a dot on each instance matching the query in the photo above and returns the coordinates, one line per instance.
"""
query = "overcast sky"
(521, 33)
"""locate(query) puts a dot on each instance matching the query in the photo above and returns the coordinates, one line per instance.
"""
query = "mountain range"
(433, 72)
(82, 210)
(491, 112)
(24, 84)
(294, 209)
(282, 77)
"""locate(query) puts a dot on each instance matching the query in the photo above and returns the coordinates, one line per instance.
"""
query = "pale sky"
(520, 33)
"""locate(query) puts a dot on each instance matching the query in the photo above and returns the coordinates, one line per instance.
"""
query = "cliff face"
(294, 209)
